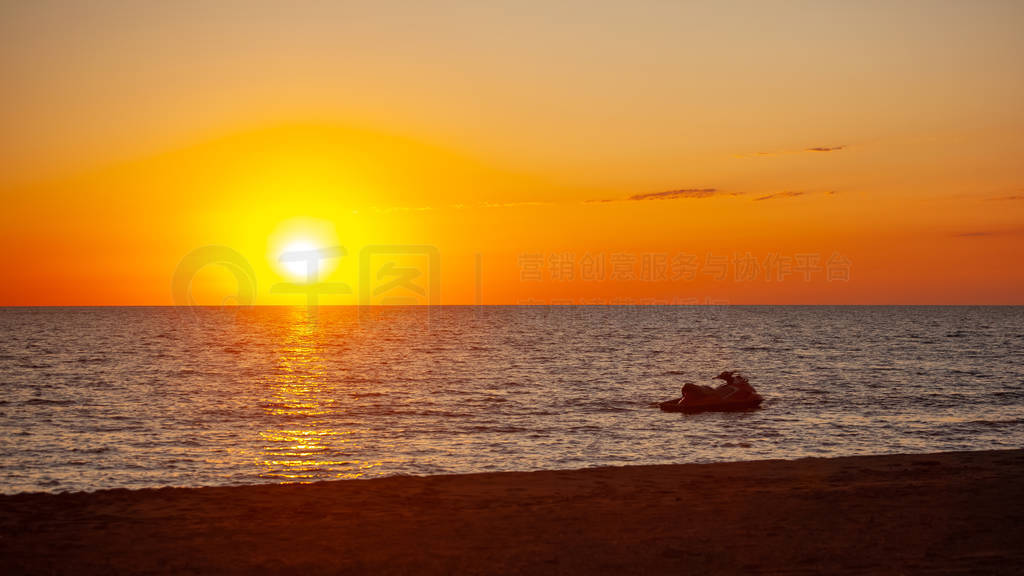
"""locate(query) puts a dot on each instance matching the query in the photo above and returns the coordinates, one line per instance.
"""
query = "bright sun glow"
(298, 268)
(295, 241)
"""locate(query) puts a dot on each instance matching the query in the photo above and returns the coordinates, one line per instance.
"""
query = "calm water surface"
(135, 397)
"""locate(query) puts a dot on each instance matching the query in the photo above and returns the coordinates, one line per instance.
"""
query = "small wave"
(97, 450)
(47, 402)
(609, 407)
(996, 423)
(810, 390)
(357, 380)
(223, 412)
(1012, 394)
(675, 373)
(499, 429)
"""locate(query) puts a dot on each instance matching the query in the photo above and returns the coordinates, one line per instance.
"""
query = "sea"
(136, 397)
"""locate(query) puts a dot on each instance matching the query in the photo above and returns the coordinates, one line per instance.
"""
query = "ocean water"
(138, 397)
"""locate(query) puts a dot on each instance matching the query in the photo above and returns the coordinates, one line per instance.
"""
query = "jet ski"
(711, 405)
(735, 395)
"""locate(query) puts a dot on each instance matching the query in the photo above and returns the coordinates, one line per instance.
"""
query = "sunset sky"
(517, 152)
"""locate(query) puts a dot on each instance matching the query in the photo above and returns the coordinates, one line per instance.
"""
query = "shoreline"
(949, 512)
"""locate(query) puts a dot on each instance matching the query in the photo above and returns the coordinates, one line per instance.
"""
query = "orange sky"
(593, 152)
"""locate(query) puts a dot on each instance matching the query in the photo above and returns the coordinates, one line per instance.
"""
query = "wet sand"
(935, 513)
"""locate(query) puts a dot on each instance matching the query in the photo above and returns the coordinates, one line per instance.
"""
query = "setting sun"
(304, 260)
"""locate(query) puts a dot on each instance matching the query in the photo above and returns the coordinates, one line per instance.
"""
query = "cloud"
(1011, 197)
(780, 195)
(697, 193)
(791, 151)
(680, 194)
(979, 234)
(676, 194)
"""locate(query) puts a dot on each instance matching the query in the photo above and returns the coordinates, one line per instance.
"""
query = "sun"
(294, 258)
(301, 246)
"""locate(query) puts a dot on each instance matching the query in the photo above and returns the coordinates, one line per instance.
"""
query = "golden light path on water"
(305, 447)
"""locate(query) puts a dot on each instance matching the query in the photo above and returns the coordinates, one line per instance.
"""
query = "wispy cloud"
(1011, 197)
(676, 194)
(778, 195)
(977, 234)
(765, 154)
(698, 193)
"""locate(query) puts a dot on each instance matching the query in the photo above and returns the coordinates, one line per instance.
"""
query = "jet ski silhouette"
(735, 395)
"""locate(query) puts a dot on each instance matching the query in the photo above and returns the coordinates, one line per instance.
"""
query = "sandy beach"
(934, 513)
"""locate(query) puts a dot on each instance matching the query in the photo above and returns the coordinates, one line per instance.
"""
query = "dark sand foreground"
(938, 513)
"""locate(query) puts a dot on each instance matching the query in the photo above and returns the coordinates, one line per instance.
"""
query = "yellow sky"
(857, 152)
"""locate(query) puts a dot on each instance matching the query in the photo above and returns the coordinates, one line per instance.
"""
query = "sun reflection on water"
(303, 445)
